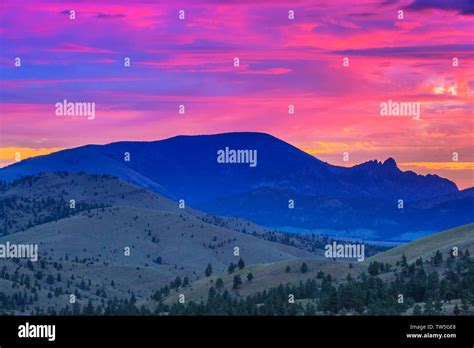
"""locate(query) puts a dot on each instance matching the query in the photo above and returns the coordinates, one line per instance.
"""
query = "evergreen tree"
(237, 282)
(219, 284)
(241, 264)
(208, 271)
(373, 268)
(438, 259)
(50, 279)
(404, 263)
(177, 282)
(212, 293)
(89, 309)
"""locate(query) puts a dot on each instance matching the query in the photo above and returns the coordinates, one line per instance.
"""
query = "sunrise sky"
(282, 62)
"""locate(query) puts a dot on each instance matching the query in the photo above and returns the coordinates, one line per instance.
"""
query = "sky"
(282, 61)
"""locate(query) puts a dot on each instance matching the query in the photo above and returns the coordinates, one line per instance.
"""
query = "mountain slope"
(84, 251)
(376, 218)
(186, 166)
(269, 275)
(177, 238)
(120, 214)
(460, 237)
(326, 197)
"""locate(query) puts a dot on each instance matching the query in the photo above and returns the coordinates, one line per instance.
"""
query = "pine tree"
(404, 261)
(219, 284)
(208, 271)
(231, 268)
(89, 309)
(241, 264)
(249, 276)
(304, 267)
(212, 293)
(373, 268)
(237, 282)
(438, 259)
(50, 279)
(177, 282)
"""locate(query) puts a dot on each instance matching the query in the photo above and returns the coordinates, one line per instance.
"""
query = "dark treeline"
(21, 212)
(368, 294)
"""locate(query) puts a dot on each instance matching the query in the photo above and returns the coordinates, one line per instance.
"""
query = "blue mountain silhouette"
(325, 196)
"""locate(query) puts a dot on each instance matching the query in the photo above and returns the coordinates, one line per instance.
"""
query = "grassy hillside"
(34, 200)
(39, 199)
(179, 238)
(461, 237)
(82, 249)
(439, 283)
(267, 276)
(35, 288)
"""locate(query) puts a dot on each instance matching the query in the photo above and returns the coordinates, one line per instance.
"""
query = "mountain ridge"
(388, 164)
(186, 167)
